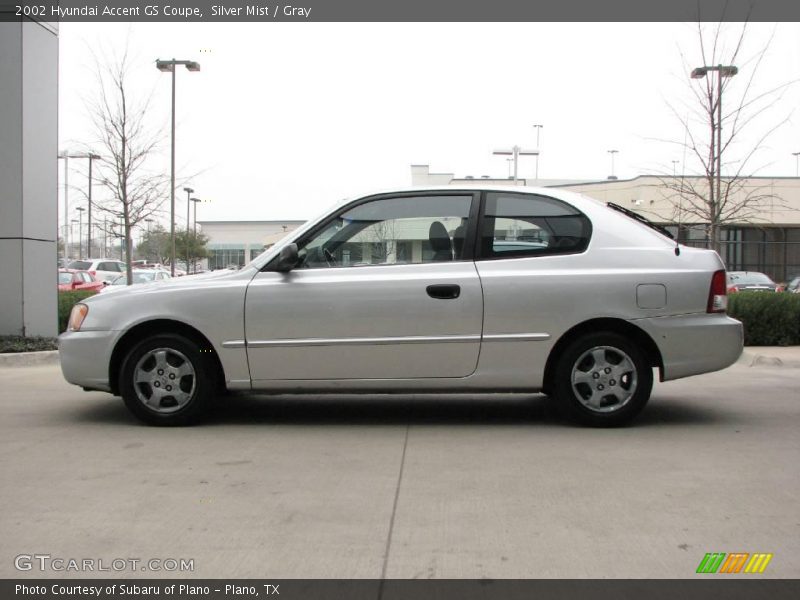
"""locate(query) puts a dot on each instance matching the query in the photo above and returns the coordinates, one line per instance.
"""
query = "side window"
(391, 231)
(518, 225)
(108, 266)
(86, 278)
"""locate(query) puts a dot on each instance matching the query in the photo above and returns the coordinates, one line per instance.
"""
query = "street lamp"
(168, 66)
(516, 152)
(796, 163)
(195, 201)
(674, 165)
(612, 153)
(80, 210)
(92, 157)
(71, 227)
(189, 191)
(538, 131)
(722, 71)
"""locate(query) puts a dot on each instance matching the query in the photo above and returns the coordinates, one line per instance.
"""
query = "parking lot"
(405, 487)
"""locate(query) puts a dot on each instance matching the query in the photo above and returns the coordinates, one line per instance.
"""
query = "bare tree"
(719, 189)
(125, 140)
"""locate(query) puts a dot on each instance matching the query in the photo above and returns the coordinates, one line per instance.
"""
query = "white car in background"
(498, 289)
(103, 269)
(138, 276)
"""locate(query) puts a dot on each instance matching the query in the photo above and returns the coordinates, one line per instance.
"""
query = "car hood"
(155, 287)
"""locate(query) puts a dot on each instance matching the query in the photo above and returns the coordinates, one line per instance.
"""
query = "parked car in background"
(103, 269)
(407, 291)
(793, 286)
(750, 281)
(139, 276)
(70, 279)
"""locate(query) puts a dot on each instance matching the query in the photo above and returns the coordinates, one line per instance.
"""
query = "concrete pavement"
(482, 486)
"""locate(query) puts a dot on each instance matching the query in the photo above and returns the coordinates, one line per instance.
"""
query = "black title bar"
(195, 11)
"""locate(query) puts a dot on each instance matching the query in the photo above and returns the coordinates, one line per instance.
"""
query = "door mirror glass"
(287, 259)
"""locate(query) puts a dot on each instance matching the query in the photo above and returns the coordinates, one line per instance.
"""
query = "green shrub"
(66, 300)
(768, 319)
(17, 343)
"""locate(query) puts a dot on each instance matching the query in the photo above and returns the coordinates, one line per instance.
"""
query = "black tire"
(615, 402)
(195, 391)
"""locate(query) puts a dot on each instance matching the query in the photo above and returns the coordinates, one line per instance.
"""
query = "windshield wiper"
(637, 217)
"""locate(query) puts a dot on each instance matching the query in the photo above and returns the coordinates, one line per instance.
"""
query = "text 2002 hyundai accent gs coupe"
(434, 290)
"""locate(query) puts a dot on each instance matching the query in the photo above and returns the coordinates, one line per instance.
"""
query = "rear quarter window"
(522, 225)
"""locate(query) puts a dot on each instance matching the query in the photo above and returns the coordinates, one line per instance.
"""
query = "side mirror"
(287, 259)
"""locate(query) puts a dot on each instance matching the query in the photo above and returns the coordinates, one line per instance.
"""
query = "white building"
(239, 242)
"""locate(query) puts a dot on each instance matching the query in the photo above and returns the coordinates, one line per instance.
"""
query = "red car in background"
(72, 279)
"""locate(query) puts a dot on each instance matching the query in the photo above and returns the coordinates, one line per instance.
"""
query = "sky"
(285, 119)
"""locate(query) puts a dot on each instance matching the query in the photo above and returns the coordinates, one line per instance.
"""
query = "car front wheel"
(166, 381)
(603, 380)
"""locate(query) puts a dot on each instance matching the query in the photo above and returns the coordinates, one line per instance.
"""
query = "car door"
(385, 289)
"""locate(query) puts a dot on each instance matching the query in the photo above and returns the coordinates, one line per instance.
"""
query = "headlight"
(76, 317)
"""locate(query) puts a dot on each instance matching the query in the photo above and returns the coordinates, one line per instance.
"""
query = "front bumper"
(695, 344)
(85, 357)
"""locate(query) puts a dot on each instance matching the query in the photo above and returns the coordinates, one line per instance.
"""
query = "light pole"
(80, 210)
(92, 157)
(516, 152)
(195, 201)
(71, 227)
(796, 163)
(65, 155)
(674, 166)
(722, 71)
(612, 153)
(538, 131)
(148, 221)
(168, 66)
(189, 191)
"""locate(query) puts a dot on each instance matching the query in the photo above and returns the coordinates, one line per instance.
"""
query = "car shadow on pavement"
(478, 410)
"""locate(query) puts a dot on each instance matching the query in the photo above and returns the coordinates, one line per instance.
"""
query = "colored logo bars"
(736, 562)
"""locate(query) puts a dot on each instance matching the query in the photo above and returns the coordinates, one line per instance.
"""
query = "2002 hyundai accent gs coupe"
(426, 290)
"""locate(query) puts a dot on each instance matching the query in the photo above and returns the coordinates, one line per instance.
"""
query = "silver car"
(424, 290)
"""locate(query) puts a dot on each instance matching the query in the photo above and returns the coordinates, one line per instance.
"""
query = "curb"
(754, 359)
(28, 359)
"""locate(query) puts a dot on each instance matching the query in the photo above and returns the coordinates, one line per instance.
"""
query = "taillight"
(717, 294)
(93, 273)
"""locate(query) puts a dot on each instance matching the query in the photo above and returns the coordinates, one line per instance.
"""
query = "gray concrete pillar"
(28, 178)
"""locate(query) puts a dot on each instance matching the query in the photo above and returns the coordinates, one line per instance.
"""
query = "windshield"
(64, 278)
(80, 265)
(748, 278)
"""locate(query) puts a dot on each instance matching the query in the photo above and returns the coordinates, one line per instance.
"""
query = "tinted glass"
(748, 278)
(391, 231)
(64, 278)
(80, 265)
(529, 225)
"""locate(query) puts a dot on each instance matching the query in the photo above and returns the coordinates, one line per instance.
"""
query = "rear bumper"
(694, 344)
(85, 356)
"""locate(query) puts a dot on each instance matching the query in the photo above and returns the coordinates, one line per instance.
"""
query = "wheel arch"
(620, 326)
(143, 330)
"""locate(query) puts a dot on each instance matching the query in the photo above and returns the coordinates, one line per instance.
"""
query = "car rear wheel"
(602, 379)
(166, 381)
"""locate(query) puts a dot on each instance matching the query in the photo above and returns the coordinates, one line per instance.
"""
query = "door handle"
(444, 291)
